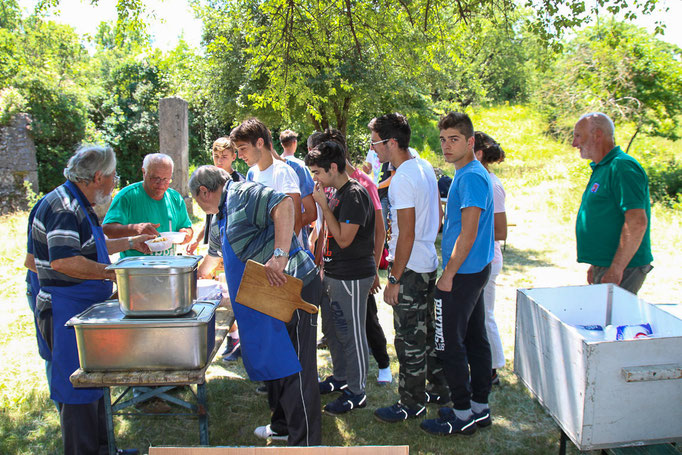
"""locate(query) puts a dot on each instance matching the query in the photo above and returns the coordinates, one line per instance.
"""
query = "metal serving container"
(156, 285)
(108, 340)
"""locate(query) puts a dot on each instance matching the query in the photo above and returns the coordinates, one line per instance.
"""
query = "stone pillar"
(18, 164)
(174, 141)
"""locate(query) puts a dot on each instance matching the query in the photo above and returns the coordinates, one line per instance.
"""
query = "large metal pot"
(110, 341)
(156, 285)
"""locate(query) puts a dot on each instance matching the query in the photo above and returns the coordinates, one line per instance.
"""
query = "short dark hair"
(459, 121)
(286, 137)
(313, 139)
(331, 134)
(492, 152)
(392, 126)
(250, 131)
(326, 153)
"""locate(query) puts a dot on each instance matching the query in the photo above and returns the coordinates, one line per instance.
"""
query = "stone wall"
(17, 164)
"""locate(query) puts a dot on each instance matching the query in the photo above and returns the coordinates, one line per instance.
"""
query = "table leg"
(110, 421)
(562, 443)
(202, 412)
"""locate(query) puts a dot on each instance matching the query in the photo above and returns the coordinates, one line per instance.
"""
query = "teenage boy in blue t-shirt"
(468, 248)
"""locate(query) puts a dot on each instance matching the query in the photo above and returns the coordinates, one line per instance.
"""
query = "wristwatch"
(393, 280)
(280, 253)
(130, 243)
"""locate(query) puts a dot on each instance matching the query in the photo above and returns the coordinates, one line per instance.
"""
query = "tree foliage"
(621, 70)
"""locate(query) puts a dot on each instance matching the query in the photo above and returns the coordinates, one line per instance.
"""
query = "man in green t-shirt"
(149, 206)
(612, 228)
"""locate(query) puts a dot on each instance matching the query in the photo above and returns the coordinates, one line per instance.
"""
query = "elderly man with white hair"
(149, 206)
(71, 254)
(613, 224)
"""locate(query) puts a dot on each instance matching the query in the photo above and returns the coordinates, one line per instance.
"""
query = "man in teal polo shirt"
(149, 206)
(612, 228)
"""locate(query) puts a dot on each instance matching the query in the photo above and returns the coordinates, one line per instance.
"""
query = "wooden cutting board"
(280, 302)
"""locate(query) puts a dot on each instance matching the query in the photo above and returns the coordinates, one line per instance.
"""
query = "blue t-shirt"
(471, 187)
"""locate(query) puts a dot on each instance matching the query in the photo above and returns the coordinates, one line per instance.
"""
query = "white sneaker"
(266, 432)
(385, 376)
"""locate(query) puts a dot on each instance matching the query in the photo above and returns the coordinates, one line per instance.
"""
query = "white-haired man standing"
(612, 228)
(71, 254)
(149, 206)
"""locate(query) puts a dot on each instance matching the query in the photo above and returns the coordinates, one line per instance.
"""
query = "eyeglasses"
(157, 180)
(372, 144)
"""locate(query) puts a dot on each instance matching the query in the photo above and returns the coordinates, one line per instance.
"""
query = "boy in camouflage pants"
(414, 216)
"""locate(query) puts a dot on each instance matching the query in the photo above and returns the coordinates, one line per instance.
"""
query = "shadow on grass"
(516, 260)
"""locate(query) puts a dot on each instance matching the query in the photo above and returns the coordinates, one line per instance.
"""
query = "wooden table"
(155, 383)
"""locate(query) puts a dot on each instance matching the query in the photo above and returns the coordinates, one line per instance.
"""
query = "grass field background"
(543, 179)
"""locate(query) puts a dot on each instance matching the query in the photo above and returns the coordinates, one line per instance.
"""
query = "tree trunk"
(627, 150)
(341, 115)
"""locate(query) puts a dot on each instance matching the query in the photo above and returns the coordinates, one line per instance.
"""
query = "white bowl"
(159, 244)
(174, 237)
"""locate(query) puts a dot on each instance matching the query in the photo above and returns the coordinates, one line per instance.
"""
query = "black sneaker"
(345, 403)
(482, 419)
(330, 385)
(433, 398)
(444, 426)
(232, 345)
(398, 412)
(495, 379)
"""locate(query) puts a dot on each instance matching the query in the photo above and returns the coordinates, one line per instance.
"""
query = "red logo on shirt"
(594, 188)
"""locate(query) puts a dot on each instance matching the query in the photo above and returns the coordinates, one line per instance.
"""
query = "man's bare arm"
(631, 236)
(118, 230)
(82, 268)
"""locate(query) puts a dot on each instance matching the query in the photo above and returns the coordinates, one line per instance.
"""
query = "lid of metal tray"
(153, 264)
(109, 313)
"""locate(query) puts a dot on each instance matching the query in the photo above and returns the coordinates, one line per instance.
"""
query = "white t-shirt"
(279, 176)
(414, 185)
(498, 200)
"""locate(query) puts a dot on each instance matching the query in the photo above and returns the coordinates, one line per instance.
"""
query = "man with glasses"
(149, 206)
(415, 219)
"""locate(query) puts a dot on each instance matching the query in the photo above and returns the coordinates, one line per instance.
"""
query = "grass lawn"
(543, 180)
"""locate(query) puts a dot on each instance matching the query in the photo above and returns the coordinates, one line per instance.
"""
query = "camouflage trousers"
(413, 320)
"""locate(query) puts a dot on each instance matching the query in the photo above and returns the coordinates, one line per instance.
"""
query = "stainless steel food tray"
(108, 340)
(156, 285)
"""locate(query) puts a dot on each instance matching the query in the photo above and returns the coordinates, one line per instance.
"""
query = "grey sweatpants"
(344, 313)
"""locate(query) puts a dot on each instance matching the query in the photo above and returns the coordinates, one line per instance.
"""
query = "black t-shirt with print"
(351, 204)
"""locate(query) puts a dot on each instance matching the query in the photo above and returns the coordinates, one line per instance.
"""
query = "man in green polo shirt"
(149, 206)
(612, 228)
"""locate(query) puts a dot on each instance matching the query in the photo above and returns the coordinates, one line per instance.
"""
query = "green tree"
(621, 70)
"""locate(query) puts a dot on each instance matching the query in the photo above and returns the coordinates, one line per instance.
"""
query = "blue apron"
(267, 350)
(32, 290)
(67, 302)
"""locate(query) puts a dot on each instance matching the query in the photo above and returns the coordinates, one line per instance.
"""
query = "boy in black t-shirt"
(349, 270)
